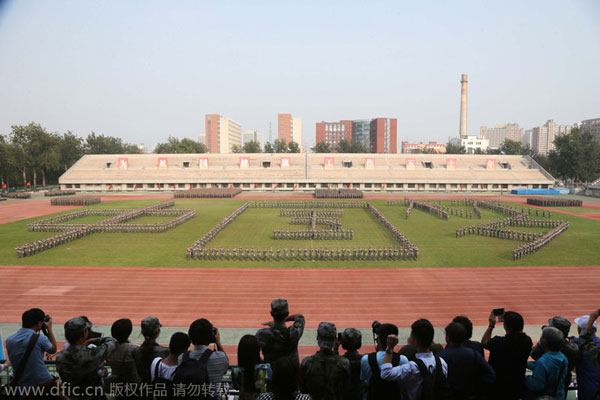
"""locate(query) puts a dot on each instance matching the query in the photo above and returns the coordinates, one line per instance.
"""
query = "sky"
(146, 70)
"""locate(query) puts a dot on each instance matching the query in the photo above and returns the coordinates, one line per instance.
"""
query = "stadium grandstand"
(306, 172)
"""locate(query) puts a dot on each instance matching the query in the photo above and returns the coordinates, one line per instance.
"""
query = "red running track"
(240, 298)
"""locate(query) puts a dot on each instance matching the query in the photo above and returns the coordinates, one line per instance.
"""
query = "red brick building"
(332, 132)
(383, 135)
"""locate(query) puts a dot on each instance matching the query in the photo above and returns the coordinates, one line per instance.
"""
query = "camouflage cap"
(150, 325)
(351, 338)
(326, 334)
(76, 326)
(560, 323)
(279, 307)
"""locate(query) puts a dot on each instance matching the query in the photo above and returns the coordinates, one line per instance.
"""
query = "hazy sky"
(144, 70)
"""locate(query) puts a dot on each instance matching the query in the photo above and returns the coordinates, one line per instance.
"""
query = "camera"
(375, 326)
(44, 329)
(214, 335)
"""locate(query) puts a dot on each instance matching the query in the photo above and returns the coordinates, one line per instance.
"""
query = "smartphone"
(498, 312)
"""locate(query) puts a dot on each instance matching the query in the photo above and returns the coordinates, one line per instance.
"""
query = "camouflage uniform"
(352, 339)
(325, 375)
(278, 340)
(144, 355)
(78, 365)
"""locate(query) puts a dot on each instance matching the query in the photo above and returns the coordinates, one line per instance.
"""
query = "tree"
(269, 148)
(343, 146)
(183, 146)
(576, 156)
(100, 144)
(280, 146)
(293, 147)
(356, 146)
(39, 150)
(70, 148)
(452, 148)
(512, 147)
(236, 149)
(7, 161)
(321, 147)
(252, 147)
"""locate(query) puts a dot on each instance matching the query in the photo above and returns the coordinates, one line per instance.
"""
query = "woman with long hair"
(251, 377)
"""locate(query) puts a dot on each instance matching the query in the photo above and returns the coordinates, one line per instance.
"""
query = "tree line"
(575, 157)
(29, 154)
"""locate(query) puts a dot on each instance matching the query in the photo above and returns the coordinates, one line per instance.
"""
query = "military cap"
(351, 339)
(560, 323)
(326, 334)
(76, 326)
(150, 325)
(279, 307)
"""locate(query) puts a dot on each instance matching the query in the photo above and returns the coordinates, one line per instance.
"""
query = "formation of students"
(338, 194)
(58, 192)
(554, 202)
(116, 223)
(75, 201)
(208, 193)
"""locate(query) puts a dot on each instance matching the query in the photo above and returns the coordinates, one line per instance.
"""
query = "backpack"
(435, 385)
(162, 384)
(380, 389)
(193, 373)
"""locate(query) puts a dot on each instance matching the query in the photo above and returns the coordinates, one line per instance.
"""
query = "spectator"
(468, 325)
(202, 333)
(370, 366)
(469, 375)
(568, 348)
(277, 340)
(2, 356)
(149, 350)
(410, 374)
(32, 371)
(588, 343)
(165, 368)
(122, 363)
(351, 341)
(284, 385)
(325, 375)
(251, 376)
(79, 364)
(588, 373)
(508, 356)
(550, 370)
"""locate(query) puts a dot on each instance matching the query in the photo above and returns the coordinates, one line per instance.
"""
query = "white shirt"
(164, 371)
(410, 375)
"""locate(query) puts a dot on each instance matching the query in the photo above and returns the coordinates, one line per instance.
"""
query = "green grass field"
(438, 246)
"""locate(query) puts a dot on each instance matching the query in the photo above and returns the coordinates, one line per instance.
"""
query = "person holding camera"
(588, 343)
(588, 372)
(508, 355)
(370, 368)
(80, 365)
(278, 340)
(202, 366)
(26, 349)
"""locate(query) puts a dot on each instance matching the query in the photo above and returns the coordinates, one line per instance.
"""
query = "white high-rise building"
(222, 134)
(542, 137)
(256, 136)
